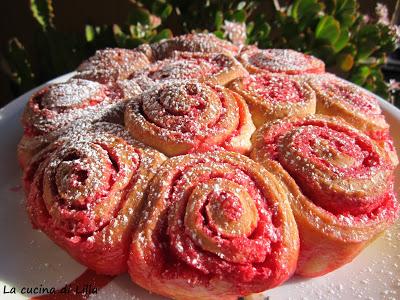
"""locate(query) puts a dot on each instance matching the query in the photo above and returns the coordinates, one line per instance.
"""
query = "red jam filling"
(330, 149)
(274, 89)
(183, 253)
(182, 109)
(367, 104)
(285, 61)
(82, 179)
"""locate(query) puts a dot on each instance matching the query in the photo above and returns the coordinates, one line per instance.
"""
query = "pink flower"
(393, 88)
(155, 21)
(236, 32)
(382, 13)
(396, 31)
(394, 85)
(383, 18)
(366, 18)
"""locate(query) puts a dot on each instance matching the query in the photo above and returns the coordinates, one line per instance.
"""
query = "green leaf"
(266, 29)
(350, 49)
(360, 75)
(346, 12)
(330, 6)
(139, 15)
(250, 27)
(241, 5)
(166, 12)
(103, 36)
(90, 33)
(309, 14)
(163, 34)
(138, 31)
(326, 53)
(328, 29)
(387, 39)
(345, 62)
(368, 31)
(342, 40)
(20, 67)
(219, 34)
(381, 87)
(133, 42)
(219, 19)
(43, 12)
(290, 29)
(377, 74)
(119, 36)
(239, 16)
(302, 8)
(367, 41)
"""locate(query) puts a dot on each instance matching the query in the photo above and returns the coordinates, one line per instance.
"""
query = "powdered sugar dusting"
(281, 61)
(89, 175)
(187, 114)
(338, 90)
(187, 65)
(200, 42)
(112, 64)
(274, 88)
(59, 105)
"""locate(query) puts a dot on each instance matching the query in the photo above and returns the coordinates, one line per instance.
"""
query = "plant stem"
(396, 13)
(278, 6)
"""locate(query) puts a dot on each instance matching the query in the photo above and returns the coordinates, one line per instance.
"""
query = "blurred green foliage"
(352, 45)
(333, 30)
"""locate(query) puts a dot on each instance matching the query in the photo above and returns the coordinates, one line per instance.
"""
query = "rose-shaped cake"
(207, 222)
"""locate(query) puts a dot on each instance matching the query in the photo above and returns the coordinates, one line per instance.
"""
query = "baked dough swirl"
(216, 68)
(284, 61)
(86, 193)
(341, 184)
(337, 97)
(198, 42)
(111, 65)
(217, 225)
(179, 117)
(272, 97)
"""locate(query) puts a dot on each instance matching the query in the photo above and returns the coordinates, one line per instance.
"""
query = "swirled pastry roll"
(217, 226)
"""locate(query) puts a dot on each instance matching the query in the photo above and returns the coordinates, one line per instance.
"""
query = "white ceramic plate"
(29, 259)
